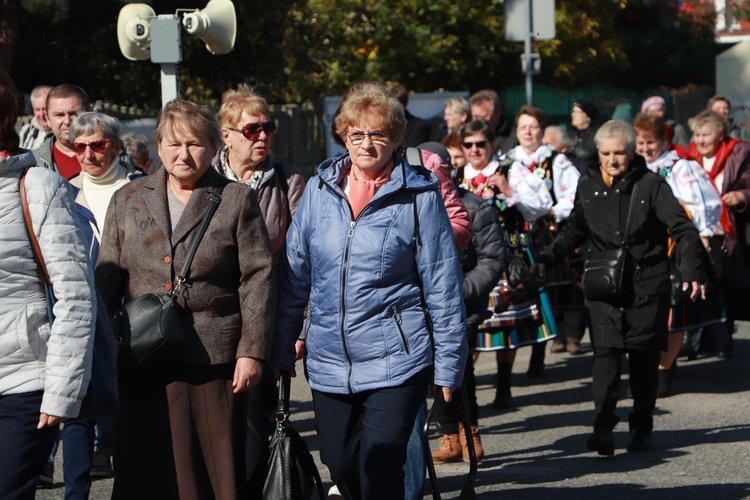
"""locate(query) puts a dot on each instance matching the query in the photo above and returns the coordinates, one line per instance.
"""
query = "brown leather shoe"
(557, 347)
(449, 451)
(574, 348)
(478, 448)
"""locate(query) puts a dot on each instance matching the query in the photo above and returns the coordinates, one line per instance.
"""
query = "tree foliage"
(301, 50)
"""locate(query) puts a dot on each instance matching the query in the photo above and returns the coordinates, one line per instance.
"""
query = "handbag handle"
(213, 205)
(282, 406)
(41, 266)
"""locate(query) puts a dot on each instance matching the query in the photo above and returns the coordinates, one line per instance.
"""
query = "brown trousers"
(181, 437)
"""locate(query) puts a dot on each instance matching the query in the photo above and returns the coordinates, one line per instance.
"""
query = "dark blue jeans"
(24, 447)
(363, 436)
(78, 452)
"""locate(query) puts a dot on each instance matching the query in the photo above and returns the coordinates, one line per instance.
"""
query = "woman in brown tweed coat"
(180, 433)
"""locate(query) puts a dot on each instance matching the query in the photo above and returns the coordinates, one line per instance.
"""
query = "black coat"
(638, 320)
(583, 153)
(483, 259)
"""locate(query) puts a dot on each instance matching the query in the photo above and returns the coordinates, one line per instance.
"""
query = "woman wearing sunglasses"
(520, 198)
(371, 249)
(247, 128)
(97, 145)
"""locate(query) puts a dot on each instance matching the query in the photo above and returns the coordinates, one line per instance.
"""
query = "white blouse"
(530, 194)
(693, 189)
(565, 176)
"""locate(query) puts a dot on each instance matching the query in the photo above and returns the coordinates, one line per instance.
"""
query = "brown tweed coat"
(230, 294)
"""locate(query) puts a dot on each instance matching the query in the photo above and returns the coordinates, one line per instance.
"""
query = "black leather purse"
(148, 329)
(604, 269)
(292, 473)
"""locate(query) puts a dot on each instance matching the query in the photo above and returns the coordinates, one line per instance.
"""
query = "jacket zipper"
(397, 319)
(343, 304)
(349, 235)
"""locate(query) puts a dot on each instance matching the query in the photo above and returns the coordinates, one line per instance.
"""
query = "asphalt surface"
(701, 440)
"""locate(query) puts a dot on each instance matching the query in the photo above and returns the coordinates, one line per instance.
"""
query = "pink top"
(457, 213)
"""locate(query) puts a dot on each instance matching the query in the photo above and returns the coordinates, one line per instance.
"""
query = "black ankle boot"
(640, 433)
(601, 441)
(503, 398)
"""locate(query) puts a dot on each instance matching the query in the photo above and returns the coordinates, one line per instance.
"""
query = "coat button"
(168, 287)
(604, 193)
(596, 193)
(617, 233)
(168, 259)
(213, 303)
(617, 190)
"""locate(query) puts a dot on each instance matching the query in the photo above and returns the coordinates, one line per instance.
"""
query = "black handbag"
(102, 397)
(604, 269)
(292, 473)
(149, 329)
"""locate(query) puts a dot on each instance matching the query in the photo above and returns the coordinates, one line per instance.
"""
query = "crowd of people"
(387, 273)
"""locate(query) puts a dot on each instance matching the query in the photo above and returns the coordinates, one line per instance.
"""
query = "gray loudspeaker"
(216, 25)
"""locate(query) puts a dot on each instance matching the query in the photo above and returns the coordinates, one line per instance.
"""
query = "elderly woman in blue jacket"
(371, 249)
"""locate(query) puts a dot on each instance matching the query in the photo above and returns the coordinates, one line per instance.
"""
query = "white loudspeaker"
(133, 30)
(216, 25)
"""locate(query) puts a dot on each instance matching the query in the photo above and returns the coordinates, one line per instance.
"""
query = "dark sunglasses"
(479, 144)
(251, 131)
(96, 146)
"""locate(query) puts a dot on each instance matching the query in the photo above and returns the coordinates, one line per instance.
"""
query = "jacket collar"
(636, 170)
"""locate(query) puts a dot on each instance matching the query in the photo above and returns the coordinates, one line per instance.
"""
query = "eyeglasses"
(377, 137)
(478, 144)
(251, 131)
(96, 146)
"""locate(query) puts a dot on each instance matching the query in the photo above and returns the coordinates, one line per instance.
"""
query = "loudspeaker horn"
(133, 31)
(216, 25)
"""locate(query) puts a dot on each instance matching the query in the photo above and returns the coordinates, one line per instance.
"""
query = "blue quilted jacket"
(367, 327)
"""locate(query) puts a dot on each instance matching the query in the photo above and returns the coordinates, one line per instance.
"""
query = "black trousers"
(24, 447)
(363, 436)
(644, 382)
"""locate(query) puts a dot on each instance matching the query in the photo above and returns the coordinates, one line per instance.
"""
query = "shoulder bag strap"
(43, 274)
(626, 233)
(212, 206)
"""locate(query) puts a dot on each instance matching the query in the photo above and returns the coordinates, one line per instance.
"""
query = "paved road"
(536, 451)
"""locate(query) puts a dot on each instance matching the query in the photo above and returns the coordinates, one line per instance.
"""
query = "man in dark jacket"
(583, 151)
(482, 262)
(486, 105)
(634, 322)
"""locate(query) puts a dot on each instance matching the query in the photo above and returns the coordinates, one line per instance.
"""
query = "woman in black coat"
(635, 322)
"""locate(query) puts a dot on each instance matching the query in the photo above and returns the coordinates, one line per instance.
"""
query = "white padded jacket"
(33, 356)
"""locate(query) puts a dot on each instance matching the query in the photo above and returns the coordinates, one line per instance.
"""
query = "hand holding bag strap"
(42, 267)
(213, 205)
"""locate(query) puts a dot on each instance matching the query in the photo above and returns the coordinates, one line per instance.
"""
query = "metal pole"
(527, 54)
(168, 83)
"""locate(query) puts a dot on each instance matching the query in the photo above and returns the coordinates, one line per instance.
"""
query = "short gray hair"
(617, 129)
(136, 145)
(88, 123)
(458, 105)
